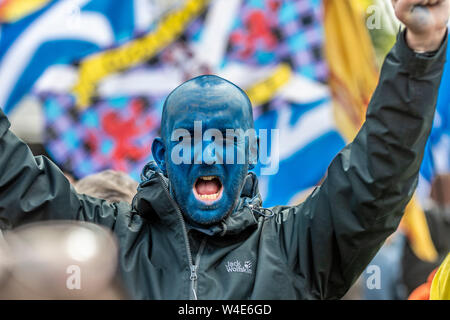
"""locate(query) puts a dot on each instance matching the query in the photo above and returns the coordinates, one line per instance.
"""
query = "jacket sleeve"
(330, 238)
(34, 189)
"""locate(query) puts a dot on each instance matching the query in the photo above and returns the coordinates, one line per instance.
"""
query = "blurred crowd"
(41, 260)
(50, 260)
(403, 273)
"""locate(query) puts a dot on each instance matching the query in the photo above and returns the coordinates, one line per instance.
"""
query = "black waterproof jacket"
(315, 250)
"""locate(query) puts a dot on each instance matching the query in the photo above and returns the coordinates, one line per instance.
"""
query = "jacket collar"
(153, 201)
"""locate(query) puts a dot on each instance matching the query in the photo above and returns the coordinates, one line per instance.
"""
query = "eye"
(187, 138)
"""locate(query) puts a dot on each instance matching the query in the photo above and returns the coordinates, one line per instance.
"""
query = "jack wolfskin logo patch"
(237, 266)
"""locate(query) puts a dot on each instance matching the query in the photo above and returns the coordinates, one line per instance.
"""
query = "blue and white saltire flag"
(273, 45)
(306, 143)
(63, 32)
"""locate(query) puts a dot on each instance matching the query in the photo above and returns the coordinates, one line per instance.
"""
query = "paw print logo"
(247, 265)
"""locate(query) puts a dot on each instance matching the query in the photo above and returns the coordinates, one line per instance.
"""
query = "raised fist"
(425, 20)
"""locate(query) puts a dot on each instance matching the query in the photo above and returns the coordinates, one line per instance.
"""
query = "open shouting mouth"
(208, 189)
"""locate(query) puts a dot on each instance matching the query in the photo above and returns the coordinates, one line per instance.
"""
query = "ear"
(254, 152)
(159, 152)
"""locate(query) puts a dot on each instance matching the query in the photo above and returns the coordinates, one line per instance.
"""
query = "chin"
(208, 213)
(205, 199)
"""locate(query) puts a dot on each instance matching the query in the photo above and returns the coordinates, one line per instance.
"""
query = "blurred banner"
(103, 68)
(353, 69)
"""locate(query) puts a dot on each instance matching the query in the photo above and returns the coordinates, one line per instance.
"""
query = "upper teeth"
(207, 178)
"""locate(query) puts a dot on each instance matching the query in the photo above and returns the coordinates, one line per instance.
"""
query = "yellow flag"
(440, 287)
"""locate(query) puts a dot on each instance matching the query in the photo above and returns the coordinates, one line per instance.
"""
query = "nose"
(210, 154)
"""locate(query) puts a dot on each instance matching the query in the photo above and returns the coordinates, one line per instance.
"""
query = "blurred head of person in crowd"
(440, 191)
(59, 260)
(114, 186)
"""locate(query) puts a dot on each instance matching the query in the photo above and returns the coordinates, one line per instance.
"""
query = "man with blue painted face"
(205, 185)
(197, 228)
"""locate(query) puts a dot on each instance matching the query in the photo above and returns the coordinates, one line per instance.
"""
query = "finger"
(404, 7)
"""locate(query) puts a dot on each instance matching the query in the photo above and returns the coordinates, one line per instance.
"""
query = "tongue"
(207, 187)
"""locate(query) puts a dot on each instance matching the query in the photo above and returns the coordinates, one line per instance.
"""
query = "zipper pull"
(193, 273)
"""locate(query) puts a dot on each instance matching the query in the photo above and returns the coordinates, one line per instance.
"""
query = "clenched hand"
(425, 20)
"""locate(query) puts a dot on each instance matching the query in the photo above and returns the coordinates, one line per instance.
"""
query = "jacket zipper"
(193, 267)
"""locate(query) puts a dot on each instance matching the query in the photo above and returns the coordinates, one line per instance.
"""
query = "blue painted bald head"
(207, 95)
(205, 163)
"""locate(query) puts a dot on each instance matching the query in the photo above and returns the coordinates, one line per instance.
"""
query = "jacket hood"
(153, 201)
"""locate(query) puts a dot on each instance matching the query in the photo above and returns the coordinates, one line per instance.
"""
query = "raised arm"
(330, 238)
(34, 189)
